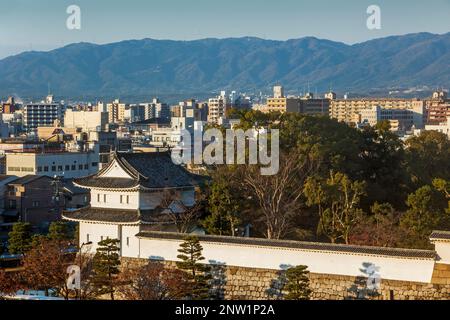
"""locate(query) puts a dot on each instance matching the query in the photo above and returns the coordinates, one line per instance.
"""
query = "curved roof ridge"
(127, 166)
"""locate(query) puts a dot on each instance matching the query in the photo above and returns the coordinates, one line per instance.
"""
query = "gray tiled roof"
(443, 235)
(112, 215)
(315, 246)
(153, 170)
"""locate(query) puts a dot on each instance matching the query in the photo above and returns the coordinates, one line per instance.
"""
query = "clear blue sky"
(41, 24)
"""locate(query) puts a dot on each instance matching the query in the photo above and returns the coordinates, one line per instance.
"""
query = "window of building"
(45, 168)
(60, 168)
(74, 167)
(128, 241)
(121, 198)
(86, 167)
(13, 168)
(12, 204)
(39, 169)
(87, 237)
(67, 168)
(128, 199)
(27, 169)
(36, 204)
(104, 198)
(80, 167)
(94, 164)
(53, 168)
(101, 238)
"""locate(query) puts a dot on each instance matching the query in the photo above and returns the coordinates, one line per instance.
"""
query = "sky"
(41, 24)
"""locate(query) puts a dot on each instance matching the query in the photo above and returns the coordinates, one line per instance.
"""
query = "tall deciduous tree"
(278, 196)
(197, 272)
(337, 199)
(20, 238)
(106, 265)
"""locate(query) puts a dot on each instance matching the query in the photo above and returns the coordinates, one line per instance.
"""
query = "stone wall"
(238, 283)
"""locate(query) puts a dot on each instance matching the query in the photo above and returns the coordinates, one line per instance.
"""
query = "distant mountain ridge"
(164, 66)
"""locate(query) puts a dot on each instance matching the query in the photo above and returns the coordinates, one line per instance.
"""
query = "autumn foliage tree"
(379, 229)
(152, 282)
(45, 267)
(10, 283)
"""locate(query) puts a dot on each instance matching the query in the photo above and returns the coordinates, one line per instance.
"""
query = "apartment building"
(65, 164)
(86, 120)
(305, 105)
(437, 108)
(217, 108)
(42, 114)
(400, 119)
(349, 110)
(443, 127)
(116, 111)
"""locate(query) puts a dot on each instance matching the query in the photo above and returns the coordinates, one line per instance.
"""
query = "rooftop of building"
(28, 179)
(314, 246)
(116, 216)
(440, 235)
(152, 170)
(152, 121)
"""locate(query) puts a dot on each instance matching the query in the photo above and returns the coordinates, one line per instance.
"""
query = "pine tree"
(197, 273)
(106, 267)
(297, 284)
(224, 211)
(60, 231)
(20, 238)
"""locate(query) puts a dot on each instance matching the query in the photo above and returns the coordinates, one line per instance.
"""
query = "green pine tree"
(20, 238)
(60, 231)
(197, 273)
(224, 211)
(106, 265)
(297, 284)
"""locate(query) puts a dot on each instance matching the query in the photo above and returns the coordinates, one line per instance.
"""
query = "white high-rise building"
(217, 108)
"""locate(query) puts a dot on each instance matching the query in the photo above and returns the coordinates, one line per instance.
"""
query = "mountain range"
(148, 66)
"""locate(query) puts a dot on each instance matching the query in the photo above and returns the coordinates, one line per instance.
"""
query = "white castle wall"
(323, 262)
